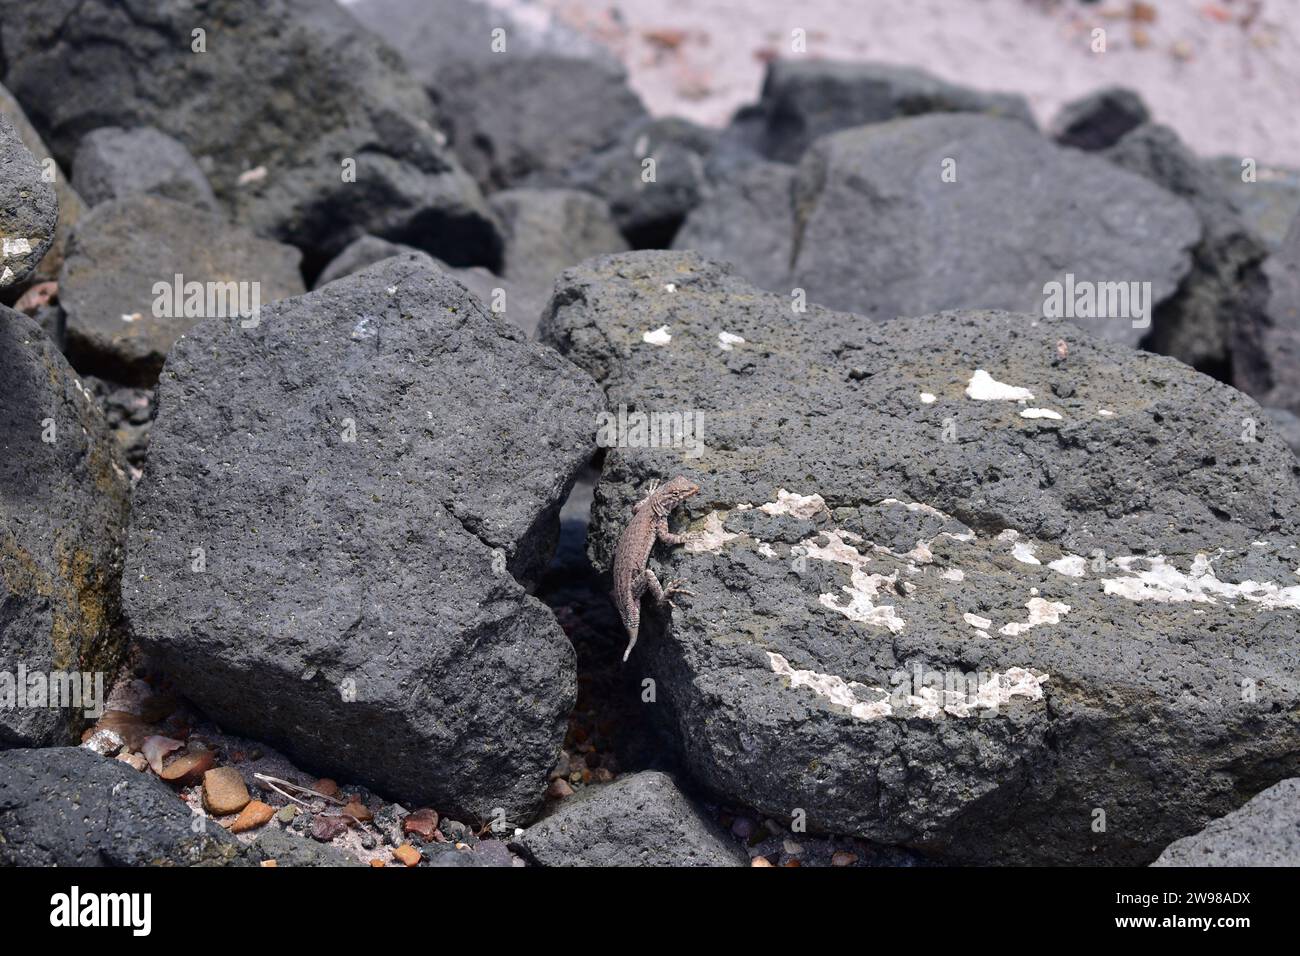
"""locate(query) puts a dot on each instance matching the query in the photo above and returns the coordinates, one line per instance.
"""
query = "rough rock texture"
(1265, 832)
(876, 511)
(1267, 364)
(70, 205)
(747, 219)
(365, 481)
(547, 231)
(1287, 426)
(29, 209)
(1098, 120)
(286, 92)
(884, 245)
(803, 100)
(1269, 203)
(522, 114)
(119, 326)
(1209, 323)
(288, 849)
(67, 806)
(63, 510)
(113, 163)
(649, 211)
(487, 287)
(641, 819)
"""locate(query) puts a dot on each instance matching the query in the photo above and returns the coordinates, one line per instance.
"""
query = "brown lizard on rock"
(632, 578)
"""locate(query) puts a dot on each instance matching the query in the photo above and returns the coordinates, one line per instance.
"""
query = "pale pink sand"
(1227, 88)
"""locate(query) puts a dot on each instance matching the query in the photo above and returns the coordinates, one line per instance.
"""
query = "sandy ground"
(1225, 74)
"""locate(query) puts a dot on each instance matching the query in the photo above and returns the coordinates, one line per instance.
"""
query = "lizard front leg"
(667, 537)
(658, 593)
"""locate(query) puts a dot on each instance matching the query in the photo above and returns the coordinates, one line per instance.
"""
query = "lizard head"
(675, 492)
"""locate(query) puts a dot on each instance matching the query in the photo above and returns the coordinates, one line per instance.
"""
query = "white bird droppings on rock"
(983, 387)
(1040, 413)
(659, 336)
(928, 398)
(726, 340)
(1040, 612)
(794, 505)
(1164, 583)
(712, 537)
(1072, 566)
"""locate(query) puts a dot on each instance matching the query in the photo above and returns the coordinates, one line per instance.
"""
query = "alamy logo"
(1083, 299)
(58, 689)
(73, 909)
(684, 429)
(179, 299)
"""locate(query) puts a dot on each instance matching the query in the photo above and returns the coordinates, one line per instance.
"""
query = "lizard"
(632, 577)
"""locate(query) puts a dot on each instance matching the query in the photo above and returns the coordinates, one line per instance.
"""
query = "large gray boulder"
(641, 819)
(125, 306)
(113, 163)
(1265, 832)
(70, 205)
(546, 231)
(308, 127)
(747, 218)
(68, 806)
(881, 232)
(651, 176)
(1267, 362)
(340, 512)
(803, 100)
(1211, 318)
(29, 209)
(490, 289)
(874, 221)
(522, 97)
(954, 587)
(1268, 200)
(63, 509)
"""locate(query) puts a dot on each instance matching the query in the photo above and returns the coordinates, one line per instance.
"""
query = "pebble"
(356, 808)
(407, 854)
(843, 858)
(559, 789)
(760, 861)
(326, 827)
(254, 815)
(287, 813)
(189, 767)
(423, 823)
(376, 862)
(224, 791)
(743, 827)
(326, 786)
(134, 760)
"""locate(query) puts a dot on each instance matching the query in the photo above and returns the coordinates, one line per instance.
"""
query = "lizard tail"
(633, 626)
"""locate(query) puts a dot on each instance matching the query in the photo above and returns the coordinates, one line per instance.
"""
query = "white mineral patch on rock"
(953, 574)
(1023, 551)
(1162, 582)
(1072, 566)
(15, 247)
(975, 621)
(712, 537)
(981, 693)
(726, 340)
(659, 336)
(1040, 612)
(927, 398)
(862, 588)
(1105, 413)
(983, 387)
(1040, 413)
(794, 505)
